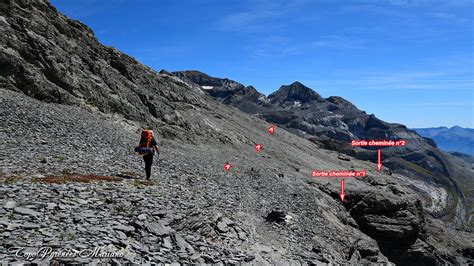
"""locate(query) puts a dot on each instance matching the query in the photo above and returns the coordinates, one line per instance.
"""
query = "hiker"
(147, 148)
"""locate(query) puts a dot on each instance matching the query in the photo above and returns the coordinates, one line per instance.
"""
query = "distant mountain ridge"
(245, 98)
(454, 139)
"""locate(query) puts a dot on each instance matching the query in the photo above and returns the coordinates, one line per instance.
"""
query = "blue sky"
(406, 61)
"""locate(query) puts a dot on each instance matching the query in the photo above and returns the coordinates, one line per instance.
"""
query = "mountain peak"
(297, 83)
(296, 91)
(164, 71)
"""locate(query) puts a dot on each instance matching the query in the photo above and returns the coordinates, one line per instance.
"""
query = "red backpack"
(145, 141)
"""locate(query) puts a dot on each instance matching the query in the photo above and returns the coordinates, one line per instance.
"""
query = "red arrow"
(271, 129)
(379, 160)
(342, 195)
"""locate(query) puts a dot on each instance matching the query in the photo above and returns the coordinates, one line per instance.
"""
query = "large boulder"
(393, 216)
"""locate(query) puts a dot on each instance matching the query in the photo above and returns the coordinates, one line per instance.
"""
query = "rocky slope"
(70, 112)
(446, 185)
(465, 157)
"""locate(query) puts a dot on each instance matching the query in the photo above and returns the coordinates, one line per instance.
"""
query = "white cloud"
(439, 104)
(278, 46)
(401, 80)
(261, 15)
(248, 21)
(450, 18)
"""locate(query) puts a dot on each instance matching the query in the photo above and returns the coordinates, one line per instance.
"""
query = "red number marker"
(258, 147)
(271, 129)
(227, 166)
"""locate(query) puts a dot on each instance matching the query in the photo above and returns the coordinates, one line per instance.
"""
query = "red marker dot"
(258, 147)
(227, 166)
(271, 129)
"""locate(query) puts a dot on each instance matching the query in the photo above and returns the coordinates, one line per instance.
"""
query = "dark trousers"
(148, 162)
